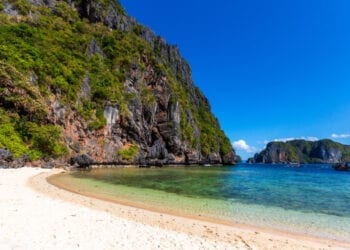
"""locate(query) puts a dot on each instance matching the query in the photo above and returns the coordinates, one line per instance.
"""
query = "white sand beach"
(36, 215)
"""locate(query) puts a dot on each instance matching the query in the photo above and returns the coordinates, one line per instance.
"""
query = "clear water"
(312, 199)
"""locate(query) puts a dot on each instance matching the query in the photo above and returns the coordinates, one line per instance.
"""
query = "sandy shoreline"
(36, 214)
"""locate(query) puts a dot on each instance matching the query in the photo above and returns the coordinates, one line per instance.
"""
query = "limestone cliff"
(301, 151)
(84, 78)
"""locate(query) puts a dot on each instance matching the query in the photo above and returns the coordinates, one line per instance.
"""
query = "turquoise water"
(312, 199)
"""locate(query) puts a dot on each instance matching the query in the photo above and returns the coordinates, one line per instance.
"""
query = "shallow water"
(312, 199)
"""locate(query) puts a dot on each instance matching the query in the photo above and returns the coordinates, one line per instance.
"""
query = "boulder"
(171, 159)
(81, 161)
(20, 162)
(341, 166)
(5, 155)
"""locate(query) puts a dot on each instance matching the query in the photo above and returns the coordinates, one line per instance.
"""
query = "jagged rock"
(193, 157)
(214, 158)
(20, 162)
(7, 160)
(328, 154)
(85, 90)
(111, 19)
(158, 151)
(59, 113)
(111, 114)
(49, 3)
(10, 9)
(48, 164)
(81, 161)
(37, 2)
(55, 163)
(5, 155)
(171, 159)
(94, 49)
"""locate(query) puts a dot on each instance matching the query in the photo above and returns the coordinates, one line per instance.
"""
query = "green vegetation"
(23, 137)
(311, 151)
(10, 138)
(55, 49)
(45, 139)
(50, 52)
(147, 97)
(99, 121)
(129, 152)
(212, 138)
(19, 94)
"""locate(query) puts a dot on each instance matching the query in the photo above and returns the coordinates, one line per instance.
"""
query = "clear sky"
(271, 69)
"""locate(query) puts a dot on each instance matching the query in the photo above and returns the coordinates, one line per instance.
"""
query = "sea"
(310, 199)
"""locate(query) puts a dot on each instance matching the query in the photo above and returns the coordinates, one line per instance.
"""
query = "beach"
(37, 215)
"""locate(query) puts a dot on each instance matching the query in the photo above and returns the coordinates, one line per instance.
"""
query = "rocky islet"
(301, 151)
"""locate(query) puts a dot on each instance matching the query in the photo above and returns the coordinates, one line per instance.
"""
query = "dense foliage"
(129, 152)
(23, 137)
(45, 52)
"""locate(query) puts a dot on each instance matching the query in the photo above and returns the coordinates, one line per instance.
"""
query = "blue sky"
(271, 69)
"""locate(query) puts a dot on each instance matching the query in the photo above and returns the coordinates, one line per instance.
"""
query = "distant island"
(302, 151)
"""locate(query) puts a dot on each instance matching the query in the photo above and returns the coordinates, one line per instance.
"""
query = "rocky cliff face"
(111, 89)
(323, 151)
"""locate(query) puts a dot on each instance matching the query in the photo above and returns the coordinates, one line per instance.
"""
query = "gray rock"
(20, 162)
(81, 161)
(7, 160)
(215, 158)
(38, 2)
(85, 90)
(193, 157)
(327, 154)
(94, 49)
(111, 114)
(33, 78)
(5, 155)
(158, 151)
(111, 19)
(171, 158)
(59, 113)
(10, 9)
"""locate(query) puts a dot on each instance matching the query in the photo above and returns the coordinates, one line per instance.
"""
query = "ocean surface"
(310, 199)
